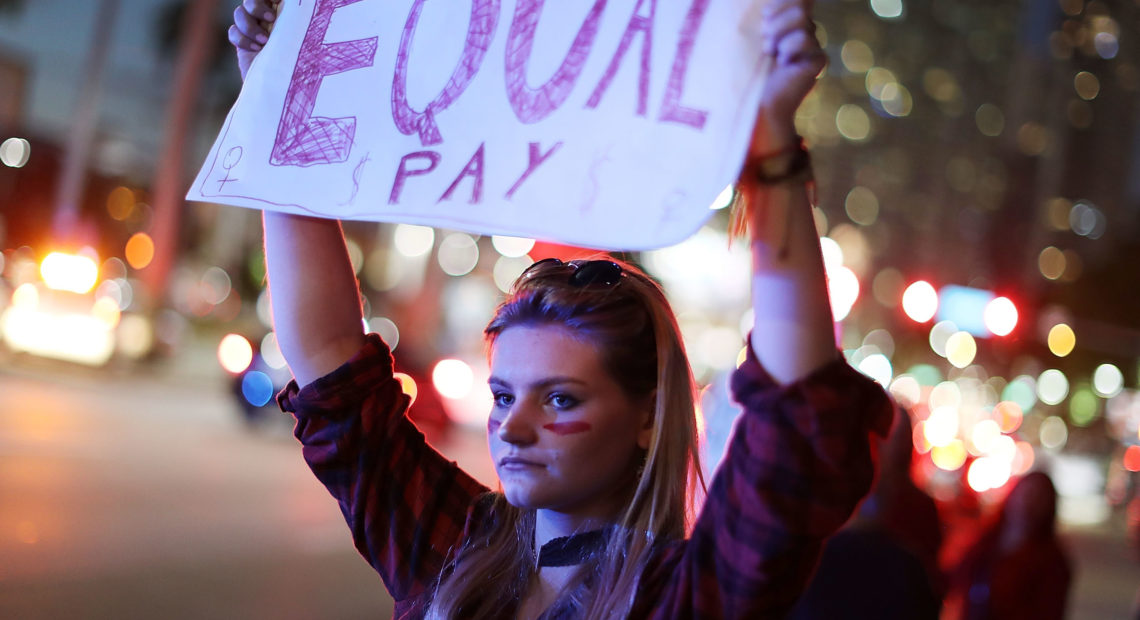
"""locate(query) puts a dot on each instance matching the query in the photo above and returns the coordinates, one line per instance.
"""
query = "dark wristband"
(772, 169)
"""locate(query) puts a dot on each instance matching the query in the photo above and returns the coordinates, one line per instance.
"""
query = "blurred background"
(979, 209)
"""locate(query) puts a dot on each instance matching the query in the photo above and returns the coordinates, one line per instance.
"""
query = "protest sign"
(606, 123)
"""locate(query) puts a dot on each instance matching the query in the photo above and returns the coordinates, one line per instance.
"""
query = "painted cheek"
(568, 428)
(493, 425)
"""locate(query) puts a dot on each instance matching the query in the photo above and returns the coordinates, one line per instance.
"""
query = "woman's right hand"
(250, 29)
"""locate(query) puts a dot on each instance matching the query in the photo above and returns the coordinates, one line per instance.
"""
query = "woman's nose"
(519, 426)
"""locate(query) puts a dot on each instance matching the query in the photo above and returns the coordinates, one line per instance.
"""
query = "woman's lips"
(515, 463)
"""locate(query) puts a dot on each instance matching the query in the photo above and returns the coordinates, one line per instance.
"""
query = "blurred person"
(593, 428)
(884, 563)
(1018, 567)
(902, 510)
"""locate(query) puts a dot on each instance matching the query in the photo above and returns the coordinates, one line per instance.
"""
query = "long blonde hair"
(634, 327)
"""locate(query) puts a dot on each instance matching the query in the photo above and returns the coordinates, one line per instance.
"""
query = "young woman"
(593, 428)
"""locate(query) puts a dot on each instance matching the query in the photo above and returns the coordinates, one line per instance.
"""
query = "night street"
(144, 495)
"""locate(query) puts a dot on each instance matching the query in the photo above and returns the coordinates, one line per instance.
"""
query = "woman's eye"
(563, 401)
(503, 400)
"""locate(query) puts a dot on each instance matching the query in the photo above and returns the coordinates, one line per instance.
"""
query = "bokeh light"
(949, 457)
(1023, 459)
(1008, 416)
(1022, 391)
(387, 330)
(862, 206)
(1051, 263)
(235, 353)
(856, 56)
(453, 378)
(989, 119)
(1000, 316)
(507, 270)
(257, 388)
(458, 254)
(941, 428)
(887, 9)
(76, 273)
(1132, 458)
(984, 436)
(15, 152)
(918, 437)
(512, 247)
(1061, 340)
(271, 352)
(135, 336)
(1052, 386)
(878, 367)
(906, 390)
(843, 288)
(920, 301)
(961, 348)
(722, 200)
(1083, 407)
(1108, 380)
(139, 251)
(945, 394)
(107, 311)
(26, 297)
(1087, 85)
(853, 123)
(1053, 433)
(988, 473)
(407, 385)
(120, 203)
(411, 240)
(940, 334)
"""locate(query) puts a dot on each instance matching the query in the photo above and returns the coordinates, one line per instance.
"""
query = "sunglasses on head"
(583, 272)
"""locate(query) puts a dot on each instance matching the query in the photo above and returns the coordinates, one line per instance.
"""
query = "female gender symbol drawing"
(229, 163)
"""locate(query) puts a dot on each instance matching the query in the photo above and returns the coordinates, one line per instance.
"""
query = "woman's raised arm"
(313, 289)
(314, 294)
(794, 332)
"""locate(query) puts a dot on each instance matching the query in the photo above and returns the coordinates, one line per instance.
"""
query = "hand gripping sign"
(604, 123)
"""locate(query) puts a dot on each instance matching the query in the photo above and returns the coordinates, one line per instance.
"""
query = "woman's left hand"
(787, 34)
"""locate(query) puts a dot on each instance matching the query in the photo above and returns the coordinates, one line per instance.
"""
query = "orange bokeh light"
(140, 250)
(1008, 415)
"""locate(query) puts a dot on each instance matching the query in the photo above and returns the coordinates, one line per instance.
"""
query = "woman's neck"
(551, 524)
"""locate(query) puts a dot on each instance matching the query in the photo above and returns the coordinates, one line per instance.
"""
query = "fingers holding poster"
(610, 124)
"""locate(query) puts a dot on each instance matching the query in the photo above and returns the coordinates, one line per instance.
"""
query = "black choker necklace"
(571, 550)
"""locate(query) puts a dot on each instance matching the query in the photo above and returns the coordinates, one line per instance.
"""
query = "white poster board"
(603, 123)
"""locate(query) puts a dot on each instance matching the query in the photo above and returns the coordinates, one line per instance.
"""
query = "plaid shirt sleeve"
(406, 504)
(798, 464)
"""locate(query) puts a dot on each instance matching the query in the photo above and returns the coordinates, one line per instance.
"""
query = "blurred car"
(59, 315)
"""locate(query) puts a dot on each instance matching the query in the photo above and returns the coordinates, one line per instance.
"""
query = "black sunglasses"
(584, 272)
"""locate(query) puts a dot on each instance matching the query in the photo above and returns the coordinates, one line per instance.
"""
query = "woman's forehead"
(526, 353)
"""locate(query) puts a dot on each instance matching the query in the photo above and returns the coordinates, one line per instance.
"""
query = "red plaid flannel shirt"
(797, 466)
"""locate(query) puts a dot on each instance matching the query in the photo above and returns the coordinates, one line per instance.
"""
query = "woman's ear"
(648, 413)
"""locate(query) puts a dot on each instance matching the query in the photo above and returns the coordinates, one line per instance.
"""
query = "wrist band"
(765, 169)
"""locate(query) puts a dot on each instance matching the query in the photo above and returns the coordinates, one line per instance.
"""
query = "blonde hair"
(634, 327)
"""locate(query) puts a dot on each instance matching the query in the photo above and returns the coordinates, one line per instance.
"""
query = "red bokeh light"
(1132, 458)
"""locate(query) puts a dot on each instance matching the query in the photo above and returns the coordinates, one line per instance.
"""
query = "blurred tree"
(193, 40)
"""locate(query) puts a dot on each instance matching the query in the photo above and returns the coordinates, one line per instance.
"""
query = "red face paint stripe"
(493, 425)
(568, 428)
